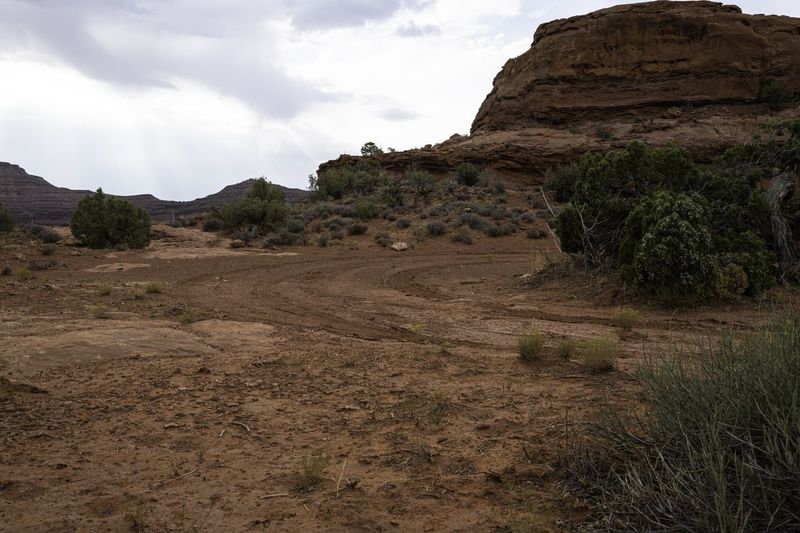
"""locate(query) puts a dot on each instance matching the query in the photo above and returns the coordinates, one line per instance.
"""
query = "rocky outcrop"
(642, 59)
(699, 74)
(32, 199)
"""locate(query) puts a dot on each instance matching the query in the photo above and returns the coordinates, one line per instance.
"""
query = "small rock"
(400, 247)
(238, 244)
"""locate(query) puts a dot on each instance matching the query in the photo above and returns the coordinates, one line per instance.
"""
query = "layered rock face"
(32, 200)
(702, 75)
(641, 58)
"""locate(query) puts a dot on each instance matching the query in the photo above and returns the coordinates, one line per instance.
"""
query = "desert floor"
(192, 403)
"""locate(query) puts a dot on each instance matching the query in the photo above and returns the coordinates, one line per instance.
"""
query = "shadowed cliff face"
(699, 74)
(32, 199)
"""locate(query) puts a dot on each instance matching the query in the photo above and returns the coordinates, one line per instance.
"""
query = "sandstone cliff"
(699, 74)
(32, 199)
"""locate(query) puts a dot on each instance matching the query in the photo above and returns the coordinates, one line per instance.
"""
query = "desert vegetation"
(675, 228)
(102, 221)
(7, 222)
(718, 444)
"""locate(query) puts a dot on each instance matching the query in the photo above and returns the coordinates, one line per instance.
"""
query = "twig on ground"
(340, 476)
(276, 495)
(242, 424)
(164, 482)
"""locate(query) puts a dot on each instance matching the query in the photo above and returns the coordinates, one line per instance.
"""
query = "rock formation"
(699, 74)
(32, 199)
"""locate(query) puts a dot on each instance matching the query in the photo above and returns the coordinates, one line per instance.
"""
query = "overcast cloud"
(182, 97)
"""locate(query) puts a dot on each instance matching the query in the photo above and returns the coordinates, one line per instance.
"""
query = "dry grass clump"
(153, 288)
(100, 312)
(439, 407)
(309, 474)
(599, 355)
(627, 318)
(566, 349)
(718, 448)
(530, 346)
(23, 274)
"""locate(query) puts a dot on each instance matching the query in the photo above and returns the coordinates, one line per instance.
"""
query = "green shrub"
(462, 237)
(674, 255)
(383, 239)
(357, 229)
(367, 210)
(153, 288)
(360, 178)
(422, 185)
(730, 282)
(101, 221)
(468, 174)
(718, 448)
(626, 318)
(371, 149)
(473, 221)
(530, 346)
(403, 223)
(264, 209)
(566, 349)
(23, 274)
(48, 249)
(49, 236)
(599, 355)
(212, 223)
(7, 223)
(436, 229)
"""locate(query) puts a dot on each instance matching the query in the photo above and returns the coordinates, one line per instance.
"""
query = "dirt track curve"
(193, 407)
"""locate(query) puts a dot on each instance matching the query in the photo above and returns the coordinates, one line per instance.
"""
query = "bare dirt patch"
(338, 389)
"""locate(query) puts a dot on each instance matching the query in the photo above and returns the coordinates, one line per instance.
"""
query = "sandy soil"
(190, 405)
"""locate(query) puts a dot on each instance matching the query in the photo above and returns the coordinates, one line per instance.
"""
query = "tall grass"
(718, 447)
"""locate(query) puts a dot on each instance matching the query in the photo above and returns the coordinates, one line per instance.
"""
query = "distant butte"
(699, 74)
(32, 199)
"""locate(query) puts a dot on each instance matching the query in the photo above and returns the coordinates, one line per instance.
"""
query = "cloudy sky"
(182, 97)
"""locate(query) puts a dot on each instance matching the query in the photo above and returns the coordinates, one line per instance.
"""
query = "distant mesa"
(32, 199)
(699, 74)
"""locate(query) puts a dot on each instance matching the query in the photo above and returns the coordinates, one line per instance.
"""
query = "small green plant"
(436, 229)
(100, 312)
(566, 349)
(153, 288)
(468, 174)
(599, 355)
(309, 474)
(626, 318)
(530, 346)
(48, 249)
(357, 229)
(462, 237)
(403, 223)
(383, 239)
(23, 274)
(439, 407)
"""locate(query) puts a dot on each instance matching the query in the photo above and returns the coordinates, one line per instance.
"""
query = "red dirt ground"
(193, 408)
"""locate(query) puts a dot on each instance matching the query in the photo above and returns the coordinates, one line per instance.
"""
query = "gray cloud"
(323, 14)
(223, 47)
(398, 115)
(411, 29)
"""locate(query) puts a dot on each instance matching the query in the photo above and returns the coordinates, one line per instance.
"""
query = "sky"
(179, 98)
